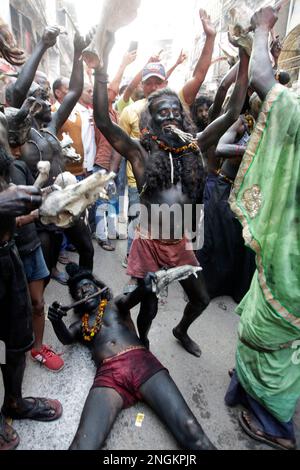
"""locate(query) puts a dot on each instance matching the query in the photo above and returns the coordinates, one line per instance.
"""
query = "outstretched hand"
(265, 18)
(8, 47)
(129, 58)
(207, 24)
(81, 42)
(20, 200)
(56, 313)
(154, 58)
(50, 35)
(181, 58)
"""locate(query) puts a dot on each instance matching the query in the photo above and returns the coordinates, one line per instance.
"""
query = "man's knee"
(200, 303)
(191, 434)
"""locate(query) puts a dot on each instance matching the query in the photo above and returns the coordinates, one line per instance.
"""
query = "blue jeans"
(133, 214)
(106, 215)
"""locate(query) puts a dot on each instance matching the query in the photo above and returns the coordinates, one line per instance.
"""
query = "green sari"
(266, 199)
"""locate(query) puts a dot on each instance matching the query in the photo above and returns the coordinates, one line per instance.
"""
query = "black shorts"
(15, 305)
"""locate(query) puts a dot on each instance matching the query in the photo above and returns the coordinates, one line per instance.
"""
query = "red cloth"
(126, 373)
(152, 255)
(104, 149)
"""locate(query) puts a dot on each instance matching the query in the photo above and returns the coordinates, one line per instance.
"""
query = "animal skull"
(63, 207)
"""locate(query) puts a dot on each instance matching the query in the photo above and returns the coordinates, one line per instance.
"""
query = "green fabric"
(272, 378)
(270, 311)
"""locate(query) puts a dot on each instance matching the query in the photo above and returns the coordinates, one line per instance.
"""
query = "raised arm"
(212, 134)
(132, 86)
(225, 84)
(181, 58)
(193, 85)
(8, 47)
(261, 72)
(226, 147)
(128, 58)
(75, 86)
(120, 141)
(128, 301)
(26, 76)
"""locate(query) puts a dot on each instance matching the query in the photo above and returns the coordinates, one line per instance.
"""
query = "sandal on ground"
(43, 409)
(106, 245)
(9, 438)
(248, 424)
(231, 372)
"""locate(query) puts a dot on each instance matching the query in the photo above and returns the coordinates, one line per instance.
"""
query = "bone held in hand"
(164, 277)
(44, 170)
(115, 14)
(64, 207)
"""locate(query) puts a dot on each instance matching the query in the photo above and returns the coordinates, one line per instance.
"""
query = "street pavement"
(203, 382)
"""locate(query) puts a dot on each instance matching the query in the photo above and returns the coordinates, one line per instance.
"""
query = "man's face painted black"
(85, 288)
(166, 111)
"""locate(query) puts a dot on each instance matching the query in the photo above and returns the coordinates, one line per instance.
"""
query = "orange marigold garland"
(90, 333)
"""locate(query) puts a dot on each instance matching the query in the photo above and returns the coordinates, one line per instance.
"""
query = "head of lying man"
(83, 285)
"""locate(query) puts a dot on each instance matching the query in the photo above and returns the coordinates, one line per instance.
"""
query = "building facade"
(287, 27)
(27, 20)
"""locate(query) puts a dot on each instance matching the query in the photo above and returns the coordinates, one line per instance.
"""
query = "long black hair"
(187, 166)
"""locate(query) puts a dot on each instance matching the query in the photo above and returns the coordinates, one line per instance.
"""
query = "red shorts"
(152, 255)
(126, 373)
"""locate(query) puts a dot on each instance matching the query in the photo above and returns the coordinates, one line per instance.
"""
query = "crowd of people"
(236, 153)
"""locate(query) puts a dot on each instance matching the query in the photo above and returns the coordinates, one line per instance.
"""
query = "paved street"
(203, 381)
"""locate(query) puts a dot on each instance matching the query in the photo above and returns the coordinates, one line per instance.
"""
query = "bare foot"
(188, 344)
(9, 439)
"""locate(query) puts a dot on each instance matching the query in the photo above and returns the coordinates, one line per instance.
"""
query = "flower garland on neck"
(174, 150)
(90, 333)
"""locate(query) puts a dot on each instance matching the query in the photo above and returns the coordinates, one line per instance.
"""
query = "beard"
(89, 306)
(168, 137)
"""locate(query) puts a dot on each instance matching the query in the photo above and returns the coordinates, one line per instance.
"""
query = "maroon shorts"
(126, 373)
(152, 255)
